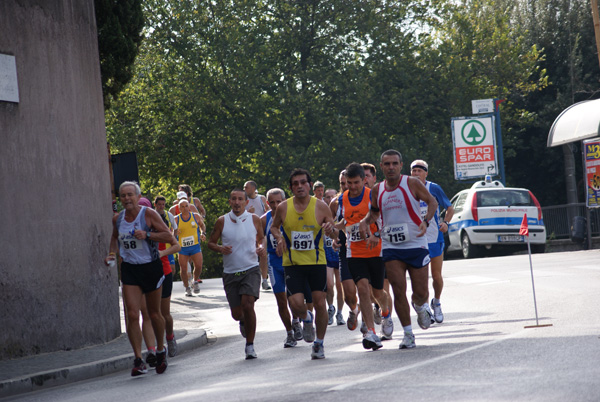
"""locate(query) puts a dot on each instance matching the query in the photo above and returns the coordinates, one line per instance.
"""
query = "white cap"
(181, 194)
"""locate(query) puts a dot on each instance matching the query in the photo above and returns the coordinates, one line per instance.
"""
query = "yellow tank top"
(188, 231)
(303, 236)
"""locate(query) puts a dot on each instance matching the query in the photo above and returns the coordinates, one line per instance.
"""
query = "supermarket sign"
(474, 141)
(592, 172)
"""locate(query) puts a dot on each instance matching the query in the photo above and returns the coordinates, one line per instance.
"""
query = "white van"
(489, 215)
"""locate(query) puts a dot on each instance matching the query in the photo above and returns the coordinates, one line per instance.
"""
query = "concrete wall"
(55, 292)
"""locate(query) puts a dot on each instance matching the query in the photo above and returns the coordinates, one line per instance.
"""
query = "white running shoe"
(172, 347)
(318, 351)
(250, 353)
(331, 313)
(408, 342)
(297, 328)
(290, 342)
(437, 310)
(387, 326)
(339, 318)
(265, 284)
(424, 317)
(352, 320)
(308, 329)
(377, 315)
(196, 287)
(371, 341)
(188, 291)
(363, 328)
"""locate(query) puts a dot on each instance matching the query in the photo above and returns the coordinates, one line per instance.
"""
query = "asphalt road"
(482, 351)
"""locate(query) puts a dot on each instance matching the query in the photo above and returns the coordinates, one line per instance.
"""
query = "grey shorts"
(242, 283)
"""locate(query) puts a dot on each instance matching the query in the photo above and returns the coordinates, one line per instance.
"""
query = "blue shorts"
(191, 250)
(171, 259)
(277, 276)
(415, 257)
(436, 249)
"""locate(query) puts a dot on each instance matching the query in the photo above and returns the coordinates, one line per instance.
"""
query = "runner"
(305, 221)
(435, 233)
(241, 236)
(364, 256)
(404, 244)
(194, 201)
(319, 190)
(276, 196)
(257, 204)
(190, 233)
(333, 272)
(135, 231)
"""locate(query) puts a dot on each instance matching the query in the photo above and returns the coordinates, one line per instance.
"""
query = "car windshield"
(503, 198)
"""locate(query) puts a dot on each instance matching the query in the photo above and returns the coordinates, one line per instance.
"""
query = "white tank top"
(257, 203)
(241, 236)
(434, 228)
(132, 250)
(401, 217)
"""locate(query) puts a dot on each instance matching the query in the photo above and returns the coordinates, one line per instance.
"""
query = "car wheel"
(468, 249)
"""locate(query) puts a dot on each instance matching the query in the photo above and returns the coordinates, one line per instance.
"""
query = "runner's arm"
(216, 235)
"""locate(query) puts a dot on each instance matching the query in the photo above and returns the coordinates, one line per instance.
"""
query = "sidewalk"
(32, 373)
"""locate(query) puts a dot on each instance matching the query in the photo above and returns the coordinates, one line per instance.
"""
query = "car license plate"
(510, 238)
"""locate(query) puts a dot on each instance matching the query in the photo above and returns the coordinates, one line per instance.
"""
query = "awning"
(577, 122)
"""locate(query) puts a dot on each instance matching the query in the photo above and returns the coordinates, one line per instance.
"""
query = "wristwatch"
(426, 222)
(377, 234)
(148, 235)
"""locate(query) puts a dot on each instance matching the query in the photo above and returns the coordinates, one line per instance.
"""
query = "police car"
(488, 216)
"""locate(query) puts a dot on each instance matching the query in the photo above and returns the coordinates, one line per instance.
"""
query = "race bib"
(352, 233)
(273, 241)
(187, 241)
(396, 233)
(303, 241)
(130, 243)
(328, 242)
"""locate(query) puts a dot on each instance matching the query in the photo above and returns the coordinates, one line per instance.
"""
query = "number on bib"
(353, 234)
(302, 241)
(396, 233)
(187, 241)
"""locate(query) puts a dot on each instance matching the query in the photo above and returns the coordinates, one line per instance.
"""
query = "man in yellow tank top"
(305, 220)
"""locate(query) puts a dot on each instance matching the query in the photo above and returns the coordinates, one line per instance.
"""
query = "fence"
(558, 219)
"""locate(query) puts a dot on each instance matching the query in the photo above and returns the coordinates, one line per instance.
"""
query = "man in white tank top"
(241, 238)
(404, 244)
(257, 204)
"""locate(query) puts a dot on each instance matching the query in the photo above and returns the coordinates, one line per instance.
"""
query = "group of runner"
(363, 238)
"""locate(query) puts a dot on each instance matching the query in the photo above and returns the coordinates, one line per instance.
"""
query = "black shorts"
(167, 286)
(371, 269)
(344, 271)
(297, 277)
(148, 277)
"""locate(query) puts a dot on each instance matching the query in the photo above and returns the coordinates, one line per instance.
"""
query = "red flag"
(524, 231)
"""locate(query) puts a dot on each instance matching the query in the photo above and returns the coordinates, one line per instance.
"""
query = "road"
(481, 352)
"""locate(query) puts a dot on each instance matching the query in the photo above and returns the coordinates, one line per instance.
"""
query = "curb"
(61, 376)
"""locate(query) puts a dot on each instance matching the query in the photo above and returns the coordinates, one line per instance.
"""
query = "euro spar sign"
(474, 140)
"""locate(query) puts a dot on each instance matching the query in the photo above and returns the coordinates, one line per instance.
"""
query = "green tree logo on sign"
(473, 132)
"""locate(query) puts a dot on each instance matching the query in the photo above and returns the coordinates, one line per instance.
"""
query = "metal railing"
(558, 219)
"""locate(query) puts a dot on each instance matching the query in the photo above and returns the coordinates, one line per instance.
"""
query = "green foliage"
(224, 92)
(119, 24)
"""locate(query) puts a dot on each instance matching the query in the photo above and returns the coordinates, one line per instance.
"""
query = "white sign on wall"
(9, 88)
(474, 140)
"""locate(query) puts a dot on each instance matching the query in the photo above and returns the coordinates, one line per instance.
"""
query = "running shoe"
(424, 316)
(172, 346)
(290, 342)
(139, 367)
(371, 341)
(352, 320)
(188, 291)
(308, 329)
(377, 315)
(297, 328)
(363, 328)
(331, 312)
(242, 329)
(196, 287)
(437, 310)
(161, 361)
(408, 342)
(387, 326)
(265, 284)
(339, 318)
(250, 353)
(318, 351)
(151, 359)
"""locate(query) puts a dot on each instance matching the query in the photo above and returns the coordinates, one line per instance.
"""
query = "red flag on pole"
(524, 231)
